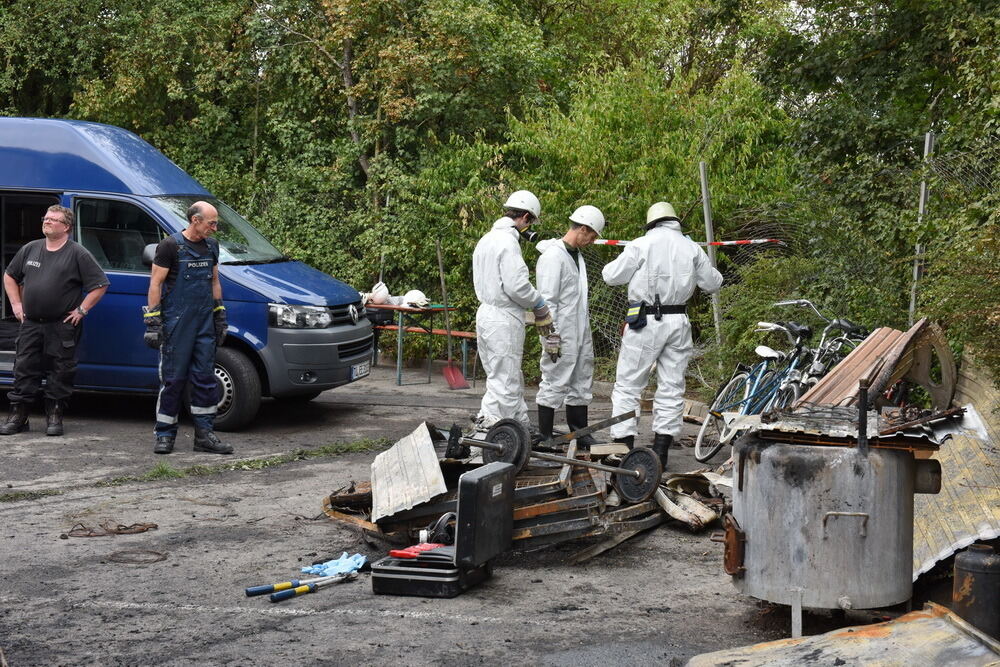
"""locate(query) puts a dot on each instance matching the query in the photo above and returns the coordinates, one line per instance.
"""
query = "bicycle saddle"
(764, 352)
(847, 326)
(801, 331)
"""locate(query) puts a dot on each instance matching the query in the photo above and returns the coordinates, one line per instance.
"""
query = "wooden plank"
(584, 555)
(609, 448)
(350, 518)
(436, 332)
(567, 470)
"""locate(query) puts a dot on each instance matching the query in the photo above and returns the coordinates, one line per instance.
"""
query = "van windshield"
(239, 242)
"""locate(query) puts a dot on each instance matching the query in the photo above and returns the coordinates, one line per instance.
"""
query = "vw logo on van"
(352, 310)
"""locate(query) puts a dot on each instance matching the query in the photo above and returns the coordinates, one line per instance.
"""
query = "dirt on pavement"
(661, 596)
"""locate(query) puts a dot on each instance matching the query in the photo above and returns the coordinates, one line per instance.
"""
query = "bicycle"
(827, 354)
(754, 390)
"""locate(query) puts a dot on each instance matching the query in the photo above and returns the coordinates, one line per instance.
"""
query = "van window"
(115, 232)
(239, 242)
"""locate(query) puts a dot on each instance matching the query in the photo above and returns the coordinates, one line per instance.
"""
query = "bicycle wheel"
(714, 432)
(786, 396)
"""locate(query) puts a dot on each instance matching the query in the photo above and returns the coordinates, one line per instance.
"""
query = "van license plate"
(361, 370)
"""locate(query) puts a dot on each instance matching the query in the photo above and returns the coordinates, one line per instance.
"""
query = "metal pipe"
(586, 464)
(863, 416)
(557, 459)
(918, 252)
(706, 202)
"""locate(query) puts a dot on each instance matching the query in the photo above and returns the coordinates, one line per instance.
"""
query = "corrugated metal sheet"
(932, 636)
(883, 349)
(968, 507)
(406, 474)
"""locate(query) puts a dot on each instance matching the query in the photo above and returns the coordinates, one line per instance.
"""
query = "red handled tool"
(415, 550)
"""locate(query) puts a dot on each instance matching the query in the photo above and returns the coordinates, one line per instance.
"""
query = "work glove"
(219, 320)
(552, 344)
(543, 320)
(154, 327)
(340, 565)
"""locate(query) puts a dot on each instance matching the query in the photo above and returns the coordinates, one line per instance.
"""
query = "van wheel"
(239, 389)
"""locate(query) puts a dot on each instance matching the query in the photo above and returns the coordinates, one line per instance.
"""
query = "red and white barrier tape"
(701, 243)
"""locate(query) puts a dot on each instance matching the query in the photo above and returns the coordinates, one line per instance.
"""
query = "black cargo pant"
(45, 349)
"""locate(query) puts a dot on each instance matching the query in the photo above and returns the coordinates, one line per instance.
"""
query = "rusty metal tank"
(824, 526)
(976, 590)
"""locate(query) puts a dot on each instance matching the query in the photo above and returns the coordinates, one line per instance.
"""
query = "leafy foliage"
(349, 130)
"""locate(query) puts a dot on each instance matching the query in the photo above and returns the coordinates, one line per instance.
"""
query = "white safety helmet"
(525, 201)
(415, 298)
(658, 212)
(590, 216)
(379, 293)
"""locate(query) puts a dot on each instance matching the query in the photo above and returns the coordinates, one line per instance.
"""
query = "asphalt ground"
(225, 523)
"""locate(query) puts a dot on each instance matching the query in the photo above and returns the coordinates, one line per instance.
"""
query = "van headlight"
(283, 316)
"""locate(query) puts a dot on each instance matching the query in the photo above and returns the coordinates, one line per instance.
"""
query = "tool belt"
(667, 310)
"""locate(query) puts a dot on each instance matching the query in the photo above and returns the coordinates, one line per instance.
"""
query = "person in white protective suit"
(662, 270)
(561, 276)
(500, 277)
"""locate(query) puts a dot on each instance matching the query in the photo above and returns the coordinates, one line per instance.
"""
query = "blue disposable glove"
(337, 566)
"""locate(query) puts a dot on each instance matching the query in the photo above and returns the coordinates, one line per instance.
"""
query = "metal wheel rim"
(514, 438)
(629, 487)
(227, 389)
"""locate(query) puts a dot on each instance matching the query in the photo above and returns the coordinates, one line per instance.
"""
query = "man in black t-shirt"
(45, 284)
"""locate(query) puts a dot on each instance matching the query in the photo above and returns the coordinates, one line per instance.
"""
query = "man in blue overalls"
(185, 320)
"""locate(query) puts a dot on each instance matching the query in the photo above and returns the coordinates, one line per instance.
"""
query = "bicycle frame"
(762, 388)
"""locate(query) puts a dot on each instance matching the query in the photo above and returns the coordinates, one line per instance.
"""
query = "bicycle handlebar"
(805, 303)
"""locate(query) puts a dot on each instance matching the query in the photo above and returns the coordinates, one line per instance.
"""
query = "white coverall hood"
(542, 246)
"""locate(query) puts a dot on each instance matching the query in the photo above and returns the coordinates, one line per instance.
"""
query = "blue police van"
(293, 330)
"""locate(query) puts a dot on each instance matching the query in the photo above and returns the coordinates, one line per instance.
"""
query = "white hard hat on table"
(415, 298)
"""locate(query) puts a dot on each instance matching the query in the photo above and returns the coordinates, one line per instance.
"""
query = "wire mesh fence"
(779, 221)
(956, 179)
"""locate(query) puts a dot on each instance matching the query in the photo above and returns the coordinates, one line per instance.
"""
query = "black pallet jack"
(483, 527)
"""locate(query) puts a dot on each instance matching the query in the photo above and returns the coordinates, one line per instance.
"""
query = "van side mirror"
(148, 253)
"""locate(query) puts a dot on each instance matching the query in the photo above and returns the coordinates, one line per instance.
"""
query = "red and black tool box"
(483, 527)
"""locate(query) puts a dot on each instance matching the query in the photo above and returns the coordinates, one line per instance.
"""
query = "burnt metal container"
(976, 589)
(825, 526)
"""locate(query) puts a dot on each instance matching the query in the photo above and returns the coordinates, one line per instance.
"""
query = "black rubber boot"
(164, 444)
(546, 418)
(207, 441)
(628, 441)
(576, 418)
(54, 418)
(661, 445)
(17, 420)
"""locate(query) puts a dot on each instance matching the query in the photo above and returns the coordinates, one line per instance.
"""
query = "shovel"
(454, 376)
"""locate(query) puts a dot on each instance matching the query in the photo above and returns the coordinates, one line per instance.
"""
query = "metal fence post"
(706, 202)
(918, 258)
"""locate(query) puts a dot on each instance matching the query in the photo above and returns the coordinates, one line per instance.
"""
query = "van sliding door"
(112, 354)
